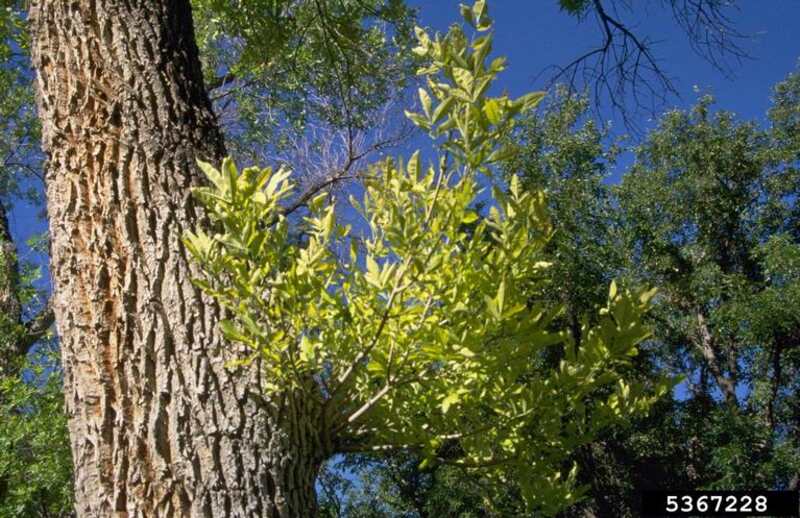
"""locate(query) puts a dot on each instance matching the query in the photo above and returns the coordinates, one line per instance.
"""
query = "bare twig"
(623, 69)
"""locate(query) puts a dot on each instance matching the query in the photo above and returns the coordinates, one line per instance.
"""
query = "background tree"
(279, 71)
(710, 211)
(35, 467)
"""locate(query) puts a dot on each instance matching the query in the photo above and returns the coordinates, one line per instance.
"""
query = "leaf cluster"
(420, 332)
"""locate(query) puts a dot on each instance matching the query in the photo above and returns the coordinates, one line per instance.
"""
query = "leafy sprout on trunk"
(419, 331)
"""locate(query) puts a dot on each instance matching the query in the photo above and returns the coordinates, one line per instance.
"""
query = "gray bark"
(158, 425)
(705, 344)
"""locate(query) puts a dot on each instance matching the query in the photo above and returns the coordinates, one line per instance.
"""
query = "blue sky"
(536, 34)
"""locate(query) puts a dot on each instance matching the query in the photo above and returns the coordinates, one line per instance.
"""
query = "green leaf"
(231, 332)
(422, 36)
(442, 110)
(464, 79)
(232, 175)
(317, 202)
(501, 296)
(467, 14)
(418, 120)
(529, 101)
(481, 16)
(469, 217)
(413, 165)
(467, 353)
(373, 275)
(425, 99)
(492, 110)
(306, 349)
(647, 295)
(212, 174)
(277, 186)
(450, 400)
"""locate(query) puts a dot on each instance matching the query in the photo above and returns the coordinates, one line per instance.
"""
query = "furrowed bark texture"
(158, 425)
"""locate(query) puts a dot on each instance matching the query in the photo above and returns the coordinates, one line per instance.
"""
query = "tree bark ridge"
(159, 425)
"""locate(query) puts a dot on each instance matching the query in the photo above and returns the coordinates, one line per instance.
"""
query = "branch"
(221, 81)
(623, 70)
(371, 402)
(707, 349)
(712, 34)
(356, 152)
(345, 377)
(462, 463)
(366, 448)
(37, 327)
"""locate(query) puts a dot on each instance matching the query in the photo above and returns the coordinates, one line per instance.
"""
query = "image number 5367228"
(720, 503)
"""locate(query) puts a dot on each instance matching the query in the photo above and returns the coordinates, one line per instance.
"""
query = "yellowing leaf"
(492, 110)
(469, 217)
(647, 295)
(464, 79)
(425, 99)
(612, 290)
(466, 352)
(373, 275)
(450, 400)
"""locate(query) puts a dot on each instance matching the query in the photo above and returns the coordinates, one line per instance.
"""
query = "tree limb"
(707, 349)
(36, 328)
(623, 69)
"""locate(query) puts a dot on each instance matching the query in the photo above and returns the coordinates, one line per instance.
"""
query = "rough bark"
(158, 425)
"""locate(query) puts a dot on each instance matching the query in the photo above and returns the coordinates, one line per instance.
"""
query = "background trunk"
(10, 307)
(158, 425)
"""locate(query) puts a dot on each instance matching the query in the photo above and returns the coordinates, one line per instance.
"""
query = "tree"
(164, 417)
(711, 218)
(423, 337)
(157, 424)
(31, 413)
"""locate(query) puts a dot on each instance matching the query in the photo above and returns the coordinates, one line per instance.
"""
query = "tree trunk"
(10, 308)
(158, 425)
(707, 348)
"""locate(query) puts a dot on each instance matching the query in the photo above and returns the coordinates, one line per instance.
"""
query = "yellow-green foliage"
(422, 333)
